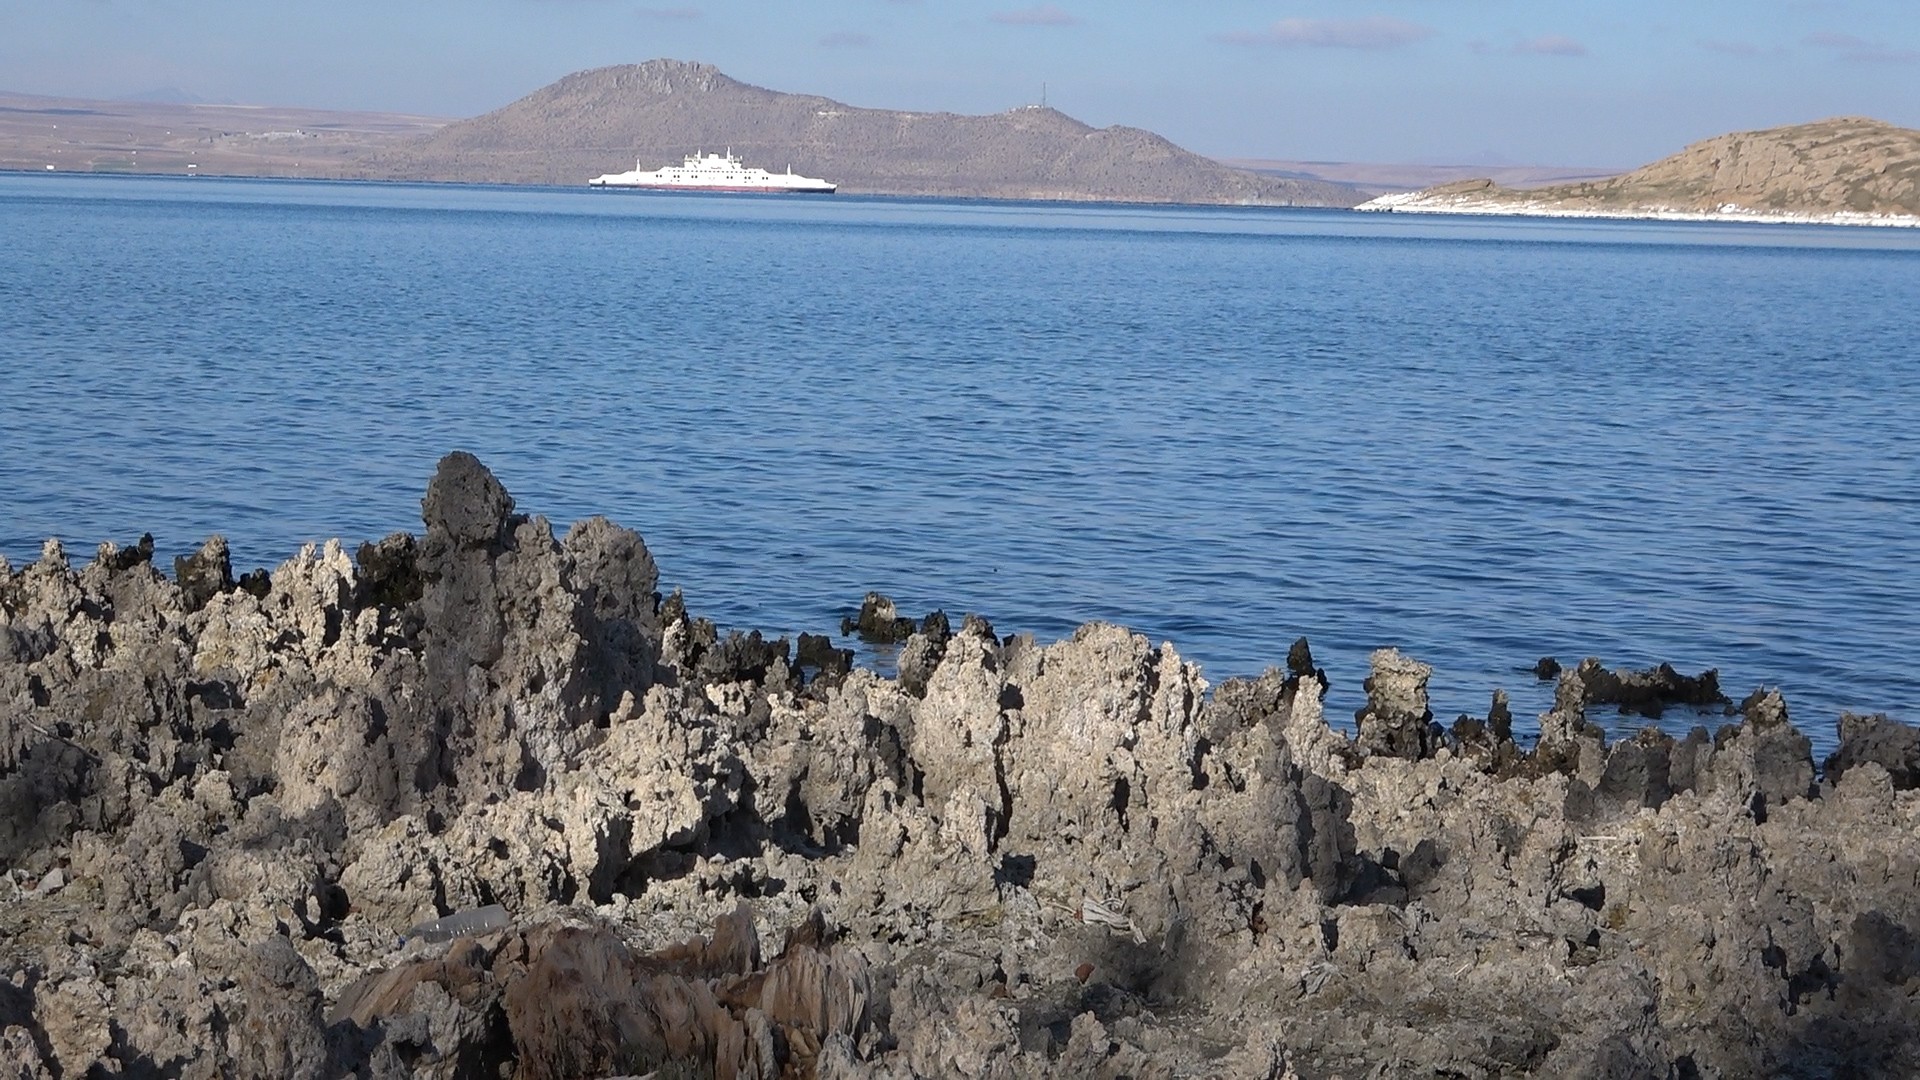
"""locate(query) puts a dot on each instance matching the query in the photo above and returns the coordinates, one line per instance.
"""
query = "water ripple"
(1480, 441)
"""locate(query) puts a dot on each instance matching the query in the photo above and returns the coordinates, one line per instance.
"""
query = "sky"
(1536, 82)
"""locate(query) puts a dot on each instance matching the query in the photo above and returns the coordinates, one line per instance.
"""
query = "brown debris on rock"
(484, 803)
(586, 1005)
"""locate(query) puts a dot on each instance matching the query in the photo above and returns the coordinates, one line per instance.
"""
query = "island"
(1843, 171)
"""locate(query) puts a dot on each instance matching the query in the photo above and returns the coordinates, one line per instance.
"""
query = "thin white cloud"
(1826, 39)
(1729, 48)
(1548, 45)
(1551, 45)
(1855, 49)
(1373, 32)
(1042, 15)
(674, 14)
(1884, 55)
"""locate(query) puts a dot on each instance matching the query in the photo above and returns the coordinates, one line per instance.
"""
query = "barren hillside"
(603, 120)
(49, 134)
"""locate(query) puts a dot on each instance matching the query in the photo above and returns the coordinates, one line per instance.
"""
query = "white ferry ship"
(714, 172)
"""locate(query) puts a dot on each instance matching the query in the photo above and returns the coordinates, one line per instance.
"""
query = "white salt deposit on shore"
(1415, 202)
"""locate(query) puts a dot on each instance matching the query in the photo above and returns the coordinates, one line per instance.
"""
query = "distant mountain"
(601, 121)
(1847, 168)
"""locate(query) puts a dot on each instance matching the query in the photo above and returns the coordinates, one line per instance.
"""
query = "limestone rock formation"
(482, 802)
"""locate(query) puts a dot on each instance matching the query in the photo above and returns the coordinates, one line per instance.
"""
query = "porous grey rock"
(205, 574)
(1893, 746)
(1017, 859)
(465, 506)
(1396, 721)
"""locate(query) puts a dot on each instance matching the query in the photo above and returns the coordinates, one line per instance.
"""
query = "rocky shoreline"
(481, 802)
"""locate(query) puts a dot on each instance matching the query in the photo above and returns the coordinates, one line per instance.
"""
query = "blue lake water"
(1482, 441)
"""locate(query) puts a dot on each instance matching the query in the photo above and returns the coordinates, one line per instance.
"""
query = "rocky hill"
(1845, 169)
(600, 121)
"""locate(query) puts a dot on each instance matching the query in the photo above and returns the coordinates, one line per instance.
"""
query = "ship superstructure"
(714, 172)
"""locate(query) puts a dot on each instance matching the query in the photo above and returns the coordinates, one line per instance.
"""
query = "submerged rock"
(817, 651)
(483, 802)
(1651, 692)
(878, 622)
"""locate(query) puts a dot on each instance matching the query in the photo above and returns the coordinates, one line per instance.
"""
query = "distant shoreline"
(1422, 203)
(843, 193)
(1404, 203)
